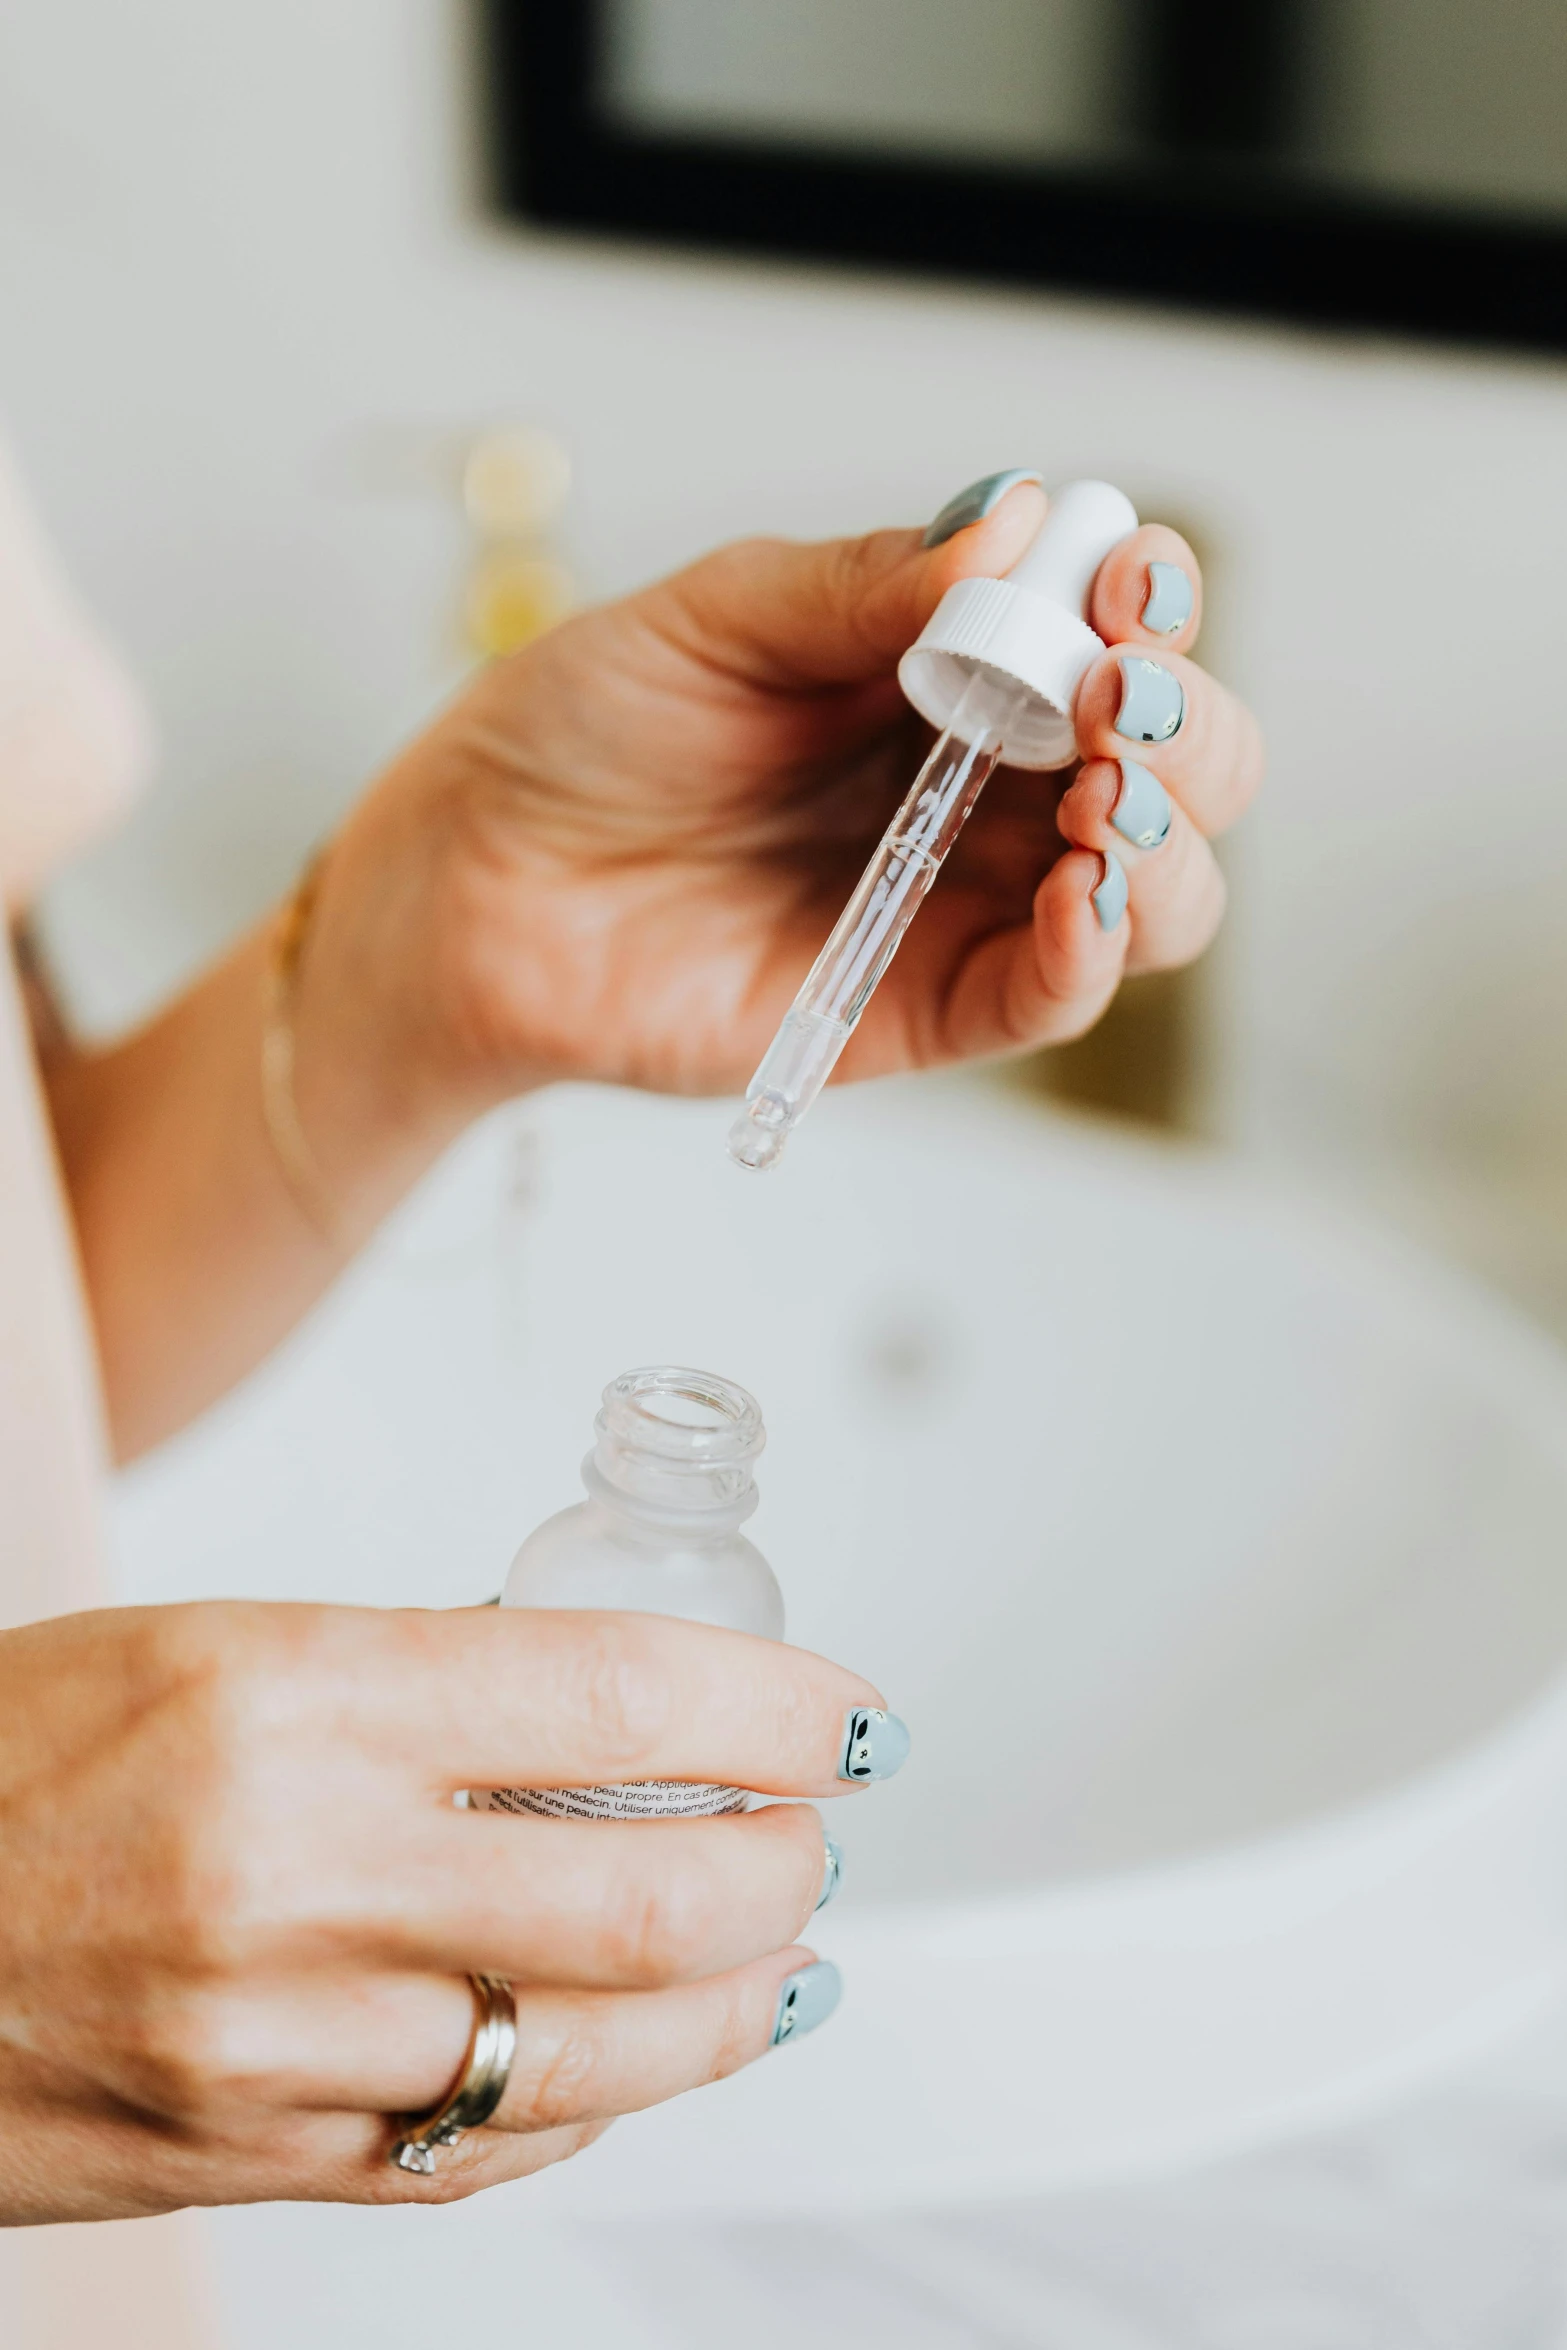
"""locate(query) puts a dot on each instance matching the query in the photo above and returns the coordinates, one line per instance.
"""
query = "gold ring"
(480, 2085)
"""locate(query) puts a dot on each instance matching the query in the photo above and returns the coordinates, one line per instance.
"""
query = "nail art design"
(1170, 599)
(974, 503)
(1110, 897)
(1152, 703)
(875, 1744)
(1142, 812)
(806, 1999)
(832, 1871)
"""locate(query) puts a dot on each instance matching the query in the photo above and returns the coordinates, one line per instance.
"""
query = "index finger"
(525, 1697)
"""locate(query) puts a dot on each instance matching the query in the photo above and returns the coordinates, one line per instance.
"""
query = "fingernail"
(832, 1871)
(1152, 703)
(974, 503)
(806, 1999)
(1110, 896)
(1170, 599)
(1142, 812)
(874, 1744)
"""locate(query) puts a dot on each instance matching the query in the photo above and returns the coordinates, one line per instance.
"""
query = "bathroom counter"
(1441, 2225)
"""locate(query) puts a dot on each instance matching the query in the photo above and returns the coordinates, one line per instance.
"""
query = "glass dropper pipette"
(844, 976)
(996, 669)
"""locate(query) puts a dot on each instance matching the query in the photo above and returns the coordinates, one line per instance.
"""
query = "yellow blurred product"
(515, 482)
(514, 596)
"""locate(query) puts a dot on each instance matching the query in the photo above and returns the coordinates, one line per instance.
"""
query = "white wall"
(242, 276)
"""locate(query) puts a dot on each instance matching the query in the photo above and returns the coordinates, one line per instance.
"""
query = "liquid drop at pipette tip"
(758, 1135)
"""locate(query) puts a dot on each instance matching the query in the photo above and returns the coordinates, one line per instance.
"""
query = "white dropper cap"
(1027, 630)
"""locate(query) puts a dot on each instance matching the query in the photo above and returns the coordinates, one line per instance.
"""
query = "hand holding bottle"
(240, 1907)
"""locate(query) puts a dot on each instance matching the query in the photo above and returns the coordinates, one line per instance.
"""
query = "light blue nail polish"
(832, 1871)
(806, 1999)
(1152, 703)
(874, 1744)
(1170, 599)
(1110, 896)
(1142, 813)
(974, 503)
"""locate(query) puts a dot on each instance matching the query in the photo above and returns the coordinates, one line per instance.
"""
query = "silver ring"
(480, 2085)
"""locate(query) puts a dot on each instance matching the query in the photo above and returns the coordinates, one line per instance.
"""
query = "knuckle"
(855, 565)
(857, 569)
(734, 2043)
(221, 1910)
(238, 1677)
(745, 555)
(739, 556)
(565, 2075)
(180, 2054)
(844, 576)
(653, 1932)
(709, 585)
(801, 1864)
(622, 1698)
(237, 1682)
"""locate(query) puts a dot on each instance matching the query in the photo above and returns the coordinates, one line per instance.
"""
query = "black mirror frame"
(1211, 239)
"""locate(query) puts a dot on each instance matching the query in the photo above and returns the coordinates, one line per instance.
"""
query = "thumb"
(779, 614)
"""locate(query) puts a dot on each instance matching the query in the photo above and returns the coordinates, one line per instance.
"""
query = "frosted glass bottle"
(669, 1484)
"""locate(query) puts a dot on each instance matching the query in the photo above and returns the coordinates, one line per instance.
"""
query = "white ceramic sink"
(1215, 1551)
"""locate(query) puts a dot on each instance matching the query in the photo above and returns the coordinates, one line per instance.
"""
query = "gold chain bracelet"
(279, 1107)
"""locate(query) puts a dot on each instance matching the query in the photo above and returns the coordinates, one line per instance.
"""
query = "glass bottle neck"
(673, 1451)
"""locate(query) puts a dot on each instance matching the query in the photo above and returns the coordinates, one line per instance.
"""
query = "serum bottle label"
(639, 1799)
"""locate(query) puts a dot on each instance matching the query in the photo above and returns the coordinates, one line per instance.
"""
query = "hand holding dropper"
(997, 669)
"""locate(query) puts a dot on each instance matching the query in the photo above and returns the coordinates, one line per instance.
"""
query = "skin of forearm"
(197, 1256)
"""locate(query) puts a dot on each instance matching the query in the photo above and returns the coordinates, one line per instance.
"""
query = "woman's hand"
(616, 856)
(240, 1909)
